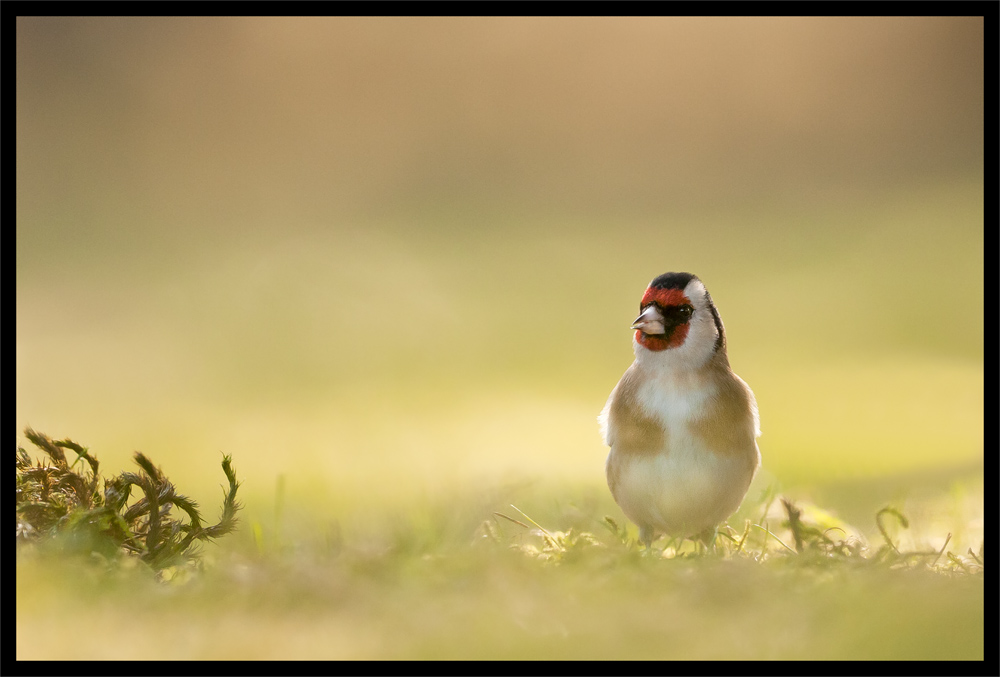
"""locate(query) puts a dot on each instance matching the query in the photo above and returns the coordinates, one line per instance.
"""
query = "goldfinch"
(681, 425)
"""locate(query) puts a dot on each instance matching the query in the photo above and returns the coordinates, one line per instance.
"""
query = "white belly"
(682, 492)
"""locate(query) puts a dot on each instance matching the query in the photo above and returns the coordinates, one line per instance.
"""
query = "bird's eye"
(682, 313)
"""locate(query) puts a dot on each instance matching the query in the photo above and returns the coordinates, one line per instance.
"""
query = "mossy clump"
(59, 499)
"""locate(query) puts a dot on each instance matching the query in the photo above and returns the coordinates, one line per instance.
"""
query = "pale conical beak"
(650, 322)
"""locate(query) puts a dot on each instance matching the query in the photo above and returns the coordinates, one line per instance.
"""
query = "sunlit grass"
(448, 578)
(557, 573)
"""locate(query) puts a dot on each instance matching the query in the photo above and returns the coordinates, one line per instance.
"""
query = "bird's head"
(678, 320)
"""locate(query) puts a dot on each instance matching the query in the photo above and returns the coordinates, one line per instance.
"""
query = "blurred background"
(381, 261)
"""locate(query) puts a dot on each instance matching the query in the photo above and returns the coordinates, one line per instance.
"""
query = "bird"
(681, 425)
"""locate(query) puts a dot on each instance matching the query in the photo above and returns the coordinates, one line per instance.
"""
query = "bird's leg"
(708, 537)
(646, 537)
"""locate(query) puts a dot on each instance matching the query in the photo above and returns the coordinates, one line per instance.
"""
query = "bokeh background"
(386, 261)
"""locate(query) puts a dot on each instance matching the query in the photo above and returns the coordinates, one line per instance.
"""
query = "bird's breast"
(682, 448)
(675, 402)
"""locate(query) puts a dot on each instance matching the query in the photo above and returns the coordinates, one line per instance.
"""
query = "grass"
(466, 576)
